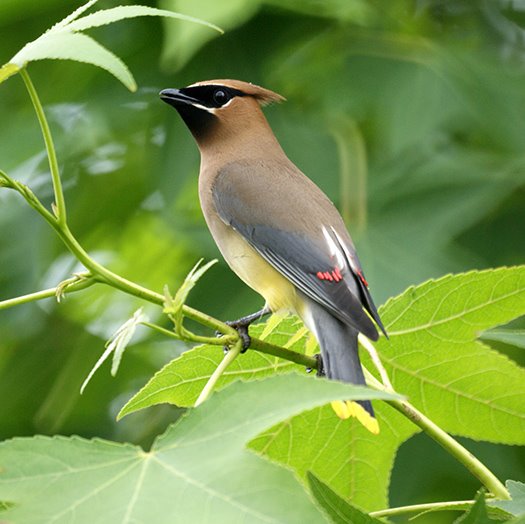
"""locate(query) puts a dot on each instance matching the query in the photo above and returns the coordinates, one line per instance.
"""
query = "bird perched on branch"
(276, 229)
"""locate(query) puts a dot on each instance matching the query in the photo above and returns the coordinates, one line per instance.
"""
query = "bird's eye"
(220, 97)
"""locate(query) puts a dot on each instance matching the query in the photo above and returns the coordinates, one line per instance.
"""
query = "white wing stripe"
(335, 250)
(347, 255)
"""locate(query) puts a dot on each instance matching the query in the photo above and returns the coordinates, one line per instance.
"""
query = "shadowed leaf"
(198, 471)
(516, 506)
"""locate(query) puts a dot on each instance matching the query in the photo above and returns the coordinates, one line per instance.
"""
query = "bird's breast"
(278, 291)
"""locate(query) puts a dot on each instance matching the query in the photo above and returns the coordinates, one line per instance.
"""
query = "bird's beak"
(174, 97)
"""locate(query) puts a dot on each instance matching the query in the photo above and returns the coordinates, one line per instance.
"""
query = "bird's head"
(220, 110)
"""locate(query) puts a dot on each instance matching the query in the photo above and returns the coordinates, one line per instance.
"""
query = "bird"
(277, 230)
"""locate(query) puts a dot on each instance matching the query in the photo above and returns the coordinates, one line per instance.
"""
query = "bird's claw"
(241, 325)
(242, 329)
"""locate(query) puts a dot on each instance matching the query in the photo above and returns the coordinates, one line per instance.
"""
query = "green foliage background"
(419, 103)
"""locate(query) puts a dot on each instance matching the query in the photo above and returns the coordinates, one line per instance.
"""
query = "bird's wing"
(297, 234)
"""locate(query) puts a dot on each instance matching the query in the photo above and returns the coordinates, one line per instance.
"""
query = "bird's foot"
(242, 329)
(242, 324)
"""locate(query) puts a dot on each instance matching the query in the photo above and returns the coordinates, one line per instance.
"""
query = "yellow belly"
(279, 292)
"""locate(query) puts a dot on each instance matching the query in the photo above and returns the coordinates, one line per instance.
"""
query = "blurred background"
(409, 114)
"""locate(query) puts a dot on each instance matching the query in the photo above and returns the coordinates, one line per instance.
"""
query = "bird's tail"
(338, 343)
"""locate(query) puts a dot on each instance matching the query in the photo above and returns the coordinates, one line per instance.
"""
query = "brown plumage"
(276, 229)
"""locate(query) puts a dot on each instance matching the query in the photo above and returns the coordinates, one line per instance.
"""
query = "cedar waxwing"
(276, 229)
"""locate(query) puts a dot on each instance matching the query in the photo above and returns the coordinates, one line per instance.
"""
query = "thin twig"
(286, 354)
(459, 505)
(67, 286)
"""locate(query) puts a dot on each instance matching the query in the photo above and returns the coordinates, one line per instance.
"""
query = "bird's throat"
(201, 123)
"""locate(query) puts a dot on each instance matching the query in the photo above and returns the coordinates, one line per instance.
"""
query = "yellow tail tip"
(348, 408)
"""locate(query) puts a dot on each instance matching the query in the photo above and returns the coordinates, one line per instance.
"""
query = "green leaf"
(515, 506)
(489, 298)
(198, 471)
(122, 12)
(500, 301)
(352, 461)
(63, 42)
(363, 462)
(74, 15)
(477, 513)
(338, 509)
(173, 306)
(74, 46)
(513, 337)
(434, 359)
(181, 381)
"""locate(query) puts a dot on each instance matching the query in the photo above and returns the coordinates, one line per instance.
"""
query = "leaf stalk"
(50, 148)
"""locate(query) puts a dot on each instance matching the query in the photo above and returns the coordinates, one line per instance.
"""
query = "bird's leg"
(241, 325)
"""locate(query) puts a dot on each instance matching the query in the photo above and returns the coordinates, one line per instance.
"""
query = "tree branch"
(286, 354)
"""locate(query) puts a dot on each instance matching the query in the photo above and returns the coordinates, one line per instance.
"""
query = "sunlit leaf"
(74, 46)
(181, 381)
(445, 317)
(115, 14)
(74, 15)
(341, 453)
(63, 41)
(173, 306)
(433, 356)
(363, 461)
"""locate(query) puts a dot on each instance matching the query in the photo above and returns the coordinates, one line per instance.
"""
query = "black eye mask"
(212, 96)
